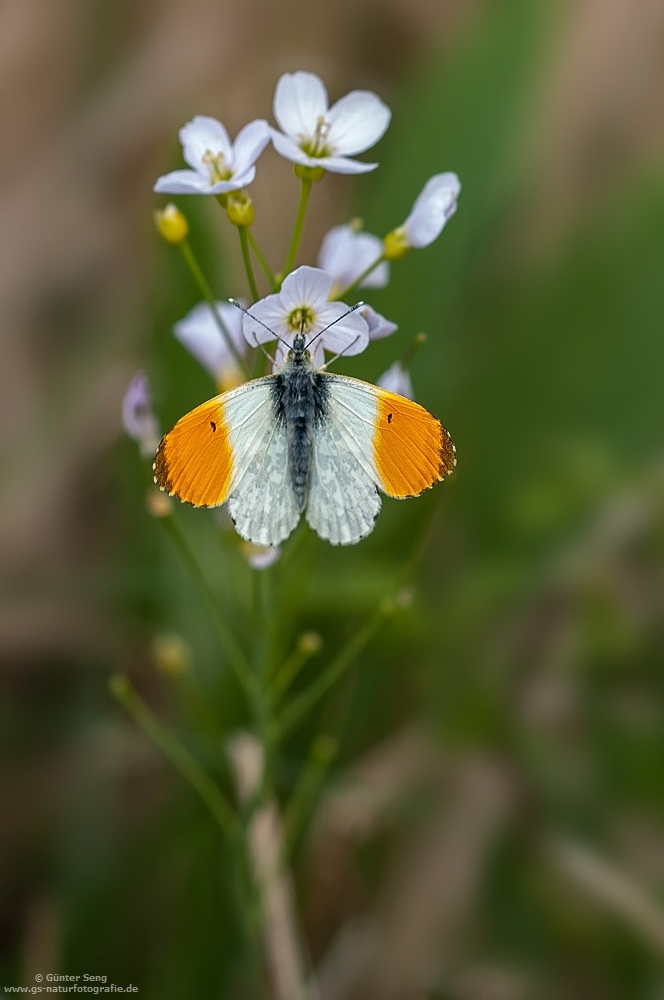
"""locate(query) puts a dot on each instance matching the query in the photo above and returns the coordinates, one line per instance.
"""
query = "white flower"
(379, 327)
(345, 254)
(434, 206)
(218, 166)
(138, 417)
(303, 304)
(199, 333)
(315, 135)
(396, 379)
(261, 556)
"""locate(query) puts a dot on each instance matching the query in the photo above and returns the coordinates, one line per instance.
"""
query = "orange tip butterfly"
(303, 441)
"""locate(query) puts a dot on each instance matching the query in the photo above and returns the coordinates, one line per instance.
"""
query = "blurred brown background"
(555, 111)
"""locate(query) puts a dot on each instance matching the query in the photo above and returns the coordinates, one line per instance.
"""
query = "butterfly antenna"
(235, 302)
(339, 355)
(358, 305)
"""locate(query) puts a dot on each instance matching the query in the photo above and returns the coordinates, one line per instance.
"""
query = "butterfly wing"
(370, 438)
(232, 448)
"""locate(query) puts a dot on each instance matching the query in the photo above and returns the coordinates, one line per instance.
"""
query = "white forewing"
(343, 501)
(261, 500)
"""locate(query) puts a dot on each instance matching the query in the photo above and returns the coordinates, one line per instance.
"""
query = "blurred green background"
(492, 825)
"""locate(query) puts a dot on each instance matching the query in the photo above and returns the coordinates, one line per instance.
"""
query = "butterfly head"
(298, 352)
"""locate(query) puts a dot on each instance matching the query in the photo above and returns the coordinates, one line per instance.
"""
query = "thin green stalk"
(360, 278)
(299, 226)
(290, 669)
(263, 611)
(262, 262)
(229, 643)
(300, 705)
(322, 753)
(206, 292)
(248, 266)
(179, 756)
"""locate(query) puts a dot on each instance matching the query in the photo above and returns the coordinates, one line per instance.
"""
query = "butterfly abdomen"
(301, 401)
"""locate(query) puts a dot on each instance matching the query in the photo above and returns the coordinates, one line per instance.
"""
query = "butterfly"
(303, 441)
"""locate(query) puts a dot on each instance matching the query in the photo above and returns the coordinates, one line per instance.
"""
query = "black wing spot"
(389, 418)
(213, 425)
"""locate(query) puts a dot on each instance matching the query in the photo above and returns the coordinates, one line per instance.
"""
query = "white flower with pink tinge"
(396, 379)
(434, 207)
(218, 165)
(200, 334)
(346, 253)
(303, 305)
(138, 418)
(316, 135)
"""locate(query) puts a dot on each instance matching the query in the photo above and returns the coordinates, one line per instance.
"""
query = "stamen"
(216, 164)
(302, 319)
(317, 144)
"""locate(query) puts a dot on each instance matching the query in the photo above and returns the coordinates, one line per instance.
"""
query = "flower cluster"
(317, 138)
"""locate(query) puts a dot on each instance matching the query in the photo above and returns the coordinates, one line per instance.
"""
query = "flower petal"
(306, 286)
(261, 556)
(290, 150)
(341, 165)
(271, 314)
(436, 203)
(299, 99)
(199, 333)
(347, 336)
(236, 182)
(395, 379)
(249, 144)
(200, 134)
(182, 182)
(357, 122)
(379, 327)
(345, 254)
(138, 417)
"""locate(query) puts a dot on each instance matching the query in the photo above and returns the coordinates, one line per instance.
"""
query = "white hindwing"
(343, 501)
(261, 500)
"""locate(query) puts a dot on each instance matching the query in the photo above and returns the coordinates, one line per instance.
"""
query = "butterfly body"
(300, 397)
(303, 441)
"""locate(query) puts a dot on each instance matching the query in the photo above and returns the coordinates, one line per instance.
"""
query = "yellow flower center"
(216, 164)
(317, 144)
(302, 319)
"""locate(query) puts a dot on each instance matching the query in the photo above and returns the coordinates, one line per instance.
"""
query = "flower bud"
(240, 209)
(395, 244)
(171, 653)
(158, 504)
(260, 556)
(309, 173)
(171, 224)
(310, 643)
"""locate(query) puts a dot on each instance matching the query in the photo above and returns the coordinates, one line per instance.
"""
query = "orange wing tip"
(413, 450)
(194, 460)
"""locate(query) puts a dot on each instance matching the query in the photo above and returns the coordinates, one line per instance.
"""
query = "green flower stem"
(246, 257)
(179, 756)
(300, 705)
(263, 618)
(299, 226)
(322, 753)
(412, 349)
(206, 292)
(229, 643)
(289, 671)
(262, 262)
(360, 278)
